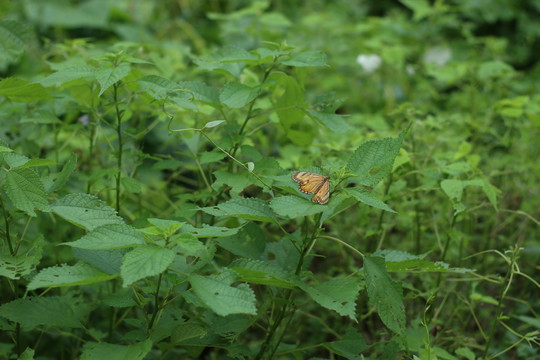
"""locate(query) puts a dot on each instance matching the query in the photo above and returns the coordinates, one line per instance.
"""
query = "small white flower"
(369, 62)
(438, 55)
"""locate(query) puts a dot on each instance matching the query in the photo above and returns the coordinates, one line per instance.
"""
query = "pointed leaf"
(145, 261)
(108, 76)
(103, 350)
(259, 272)
(333, 122)
(61, 178)
(307, 58)
(26, 191)
(385, 294)
(85, 210)
(366, 197)
(250, 209)
(293, 206)
(110, 236)
(19, 90)
(209, 231)
(336, 294)
(236, 95)
(65, 275)
(68, 74)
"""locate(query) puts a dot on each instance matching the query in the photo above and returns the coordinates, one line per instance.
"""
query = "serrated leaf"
(103, 350)
(336, 294)
(237, 182)
(61, 311)
(145, 261)
(209, 231)
(68, 74)
(164, 89)
(110, 236)
(333, 122)
(217, 293)
(85, 210)
(250, 209)
(108, 261)
(14, 267)
(189, 245)
(19, 90)
(374, 159)
(306, 58)
(236, 95)
(365, 197)
(187, 331)
(350, 346)
(65, 275)
(385, 294)
(294, 206)
(26, 191)
(13, 41)
(259, 272)
(108, 76)
(15, 160)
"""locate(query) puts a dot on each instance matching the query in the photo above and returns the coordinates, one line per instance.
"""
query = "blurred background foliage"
(466, 73)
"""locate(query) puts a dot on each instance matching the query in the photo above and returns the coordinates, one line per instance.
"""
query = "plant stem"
(499, 305)
(156, 303)
(6, 221)
(289, 294)
(120, 147)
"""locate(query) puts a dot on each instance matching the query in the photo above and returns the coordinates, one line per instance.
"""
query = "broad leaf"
(293, 206)
(259, 272)
(29, 256)
(26, 191)
(61, 276)
(103, 350)
(236, 95)
(333, 122)
(62, 311)
(307, 58)
(110, 75)
(57, 181)
(68, 74)
(350, 346)
(336, 294)
(385, 294)
(223, 299)
(19, 90)
(366, 197)
(110, 236)
(374, 159)
(145, 261)
(209, 231)
(250, 242)
(250, 209)
(86, 211)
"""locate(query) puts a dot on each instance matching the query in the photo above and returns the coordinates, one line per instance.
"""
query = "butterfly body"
(311, 183)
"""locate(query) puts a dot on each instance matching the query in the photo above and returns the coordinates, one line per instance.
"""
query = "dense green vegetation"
(148, 208)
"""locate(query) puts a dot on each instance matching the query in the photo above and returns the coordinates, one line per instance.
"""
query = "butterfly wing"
(308, 182)
(323, 194)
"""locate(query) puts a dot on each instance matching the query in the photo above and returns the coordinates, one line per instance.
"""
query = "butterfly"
(311, 183)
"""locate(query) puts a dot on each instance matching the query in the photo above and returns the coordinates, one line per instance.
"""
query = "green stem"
(93, 126)
(156, 303)
(120, 147)
(289, 294)
(6, 221)
(499, 305)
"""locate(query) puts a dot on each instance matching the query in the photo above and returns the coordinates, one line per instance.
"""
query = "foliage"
(148, 209)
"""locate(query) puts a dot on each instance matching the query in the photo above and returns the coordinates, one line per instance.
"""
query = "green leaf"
(236, 95)
(164, 89)
(366, 197)
(336, 294)
(209, 231)
(306, 58)
(85, 210)
(212, 124)
(250, 242)
(187, 331)
(57, 181)
(189, 245)
(421, 8)
(164, 226)
(453, 188)
(259, 272)
(103, 350)
(61, 311)
(145, 261)
(19, 90)
(110, 236)
(350, 346)
(288, 100)
(14, 267)
(237, 182)
(249, 208)
(293, 206)
(110, 75)
(68, 74)
(217, 293)
(26, 191)
(28, 354)
(62, 276)
(108, 261)
(385, 294)
(131, 185)
(373, 160)
(211, 156)
(333, 122)
(202, 92)
(14, 36)
(401, 261)
(494, 69)
(15, 160)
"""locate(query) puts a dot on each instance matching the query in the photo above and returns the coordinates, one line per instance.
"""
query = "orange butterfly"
(311, 183)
